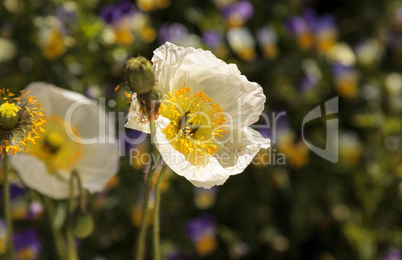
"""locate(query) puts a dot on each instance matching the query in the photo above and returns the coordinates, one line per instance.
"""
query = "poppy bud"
(83, 224)
(139, 75)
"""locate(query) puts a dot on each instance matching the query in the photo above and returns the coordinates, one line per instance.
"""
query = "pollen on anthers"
(55, 148)
(195, 122)
(21, 118)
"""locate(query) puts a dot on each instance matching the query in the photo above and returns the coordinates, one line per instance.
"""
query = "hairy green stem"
(81, 193)
(57, 235)
(156, 236)
(148, 187)
(72, 250)
(7, 208)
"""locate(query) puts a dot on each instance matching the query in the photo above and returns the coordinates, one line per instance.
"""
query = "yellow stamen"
(8, 110)
(55, 147)
(55, 139)
(195, 122)
(17, 121)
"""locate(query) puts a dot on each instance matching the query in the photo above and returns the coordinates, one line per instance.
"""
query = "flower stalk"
(144, 211)
(72, 251)
(57, 236)
(7, 209)
(156, 223)
(81, 193)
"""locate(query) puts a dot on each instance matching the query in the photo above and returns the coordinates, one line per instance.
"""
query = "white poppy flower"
(46, 167)
(202, 131)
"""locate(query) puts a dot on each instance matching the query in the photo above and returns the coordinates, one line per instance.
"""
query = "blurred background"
(296, 205)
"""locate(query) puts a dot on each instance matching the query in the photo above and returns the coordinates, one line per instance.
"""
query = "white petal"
(241, 101)
(99, 163)
(237, 148)
(133, 119)
(55, 101)
(96, 167)
(83, 114)
(216, 180)
(34, 174)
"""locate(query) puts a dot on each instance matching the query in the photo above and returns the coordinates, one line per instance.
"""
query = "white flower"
(203, 130)
(47, 166)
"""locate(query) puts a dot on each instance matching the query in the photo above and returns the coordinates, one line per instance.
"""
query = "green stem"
(7, 209)
(148, 187)
(156, 237)
(72, 251)
(58, 238)
(81, 193)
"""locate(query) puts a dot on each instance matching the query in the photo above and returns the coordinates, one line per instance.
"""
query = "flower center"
(9, 115)
(195, 122)
(53, 141)
(55, 147)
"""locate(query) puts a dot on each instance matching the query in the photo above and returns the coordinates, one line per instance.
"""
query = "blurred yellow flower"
(151, 5)
(296, 153)
(51, 39)
(206, 245)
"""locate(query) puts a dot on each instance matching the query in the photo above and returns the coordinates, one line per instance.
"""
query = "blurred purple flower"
(296, 25)
(196, 228)
(130, 138)
(266, 132)
(67, 12)
(163, 35)
(339, 70)
(279, 126)
(310, 22)
(324, 23)
(126, 7)
(27, 241)
(308, 82)
(171, 32)
(212, 38)
(266, 36)
(282, 121)
(394, 254)
(16, 191)
(243, 8)
(110, 14)
(176, 255)
(265, 128)
(310, 16)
